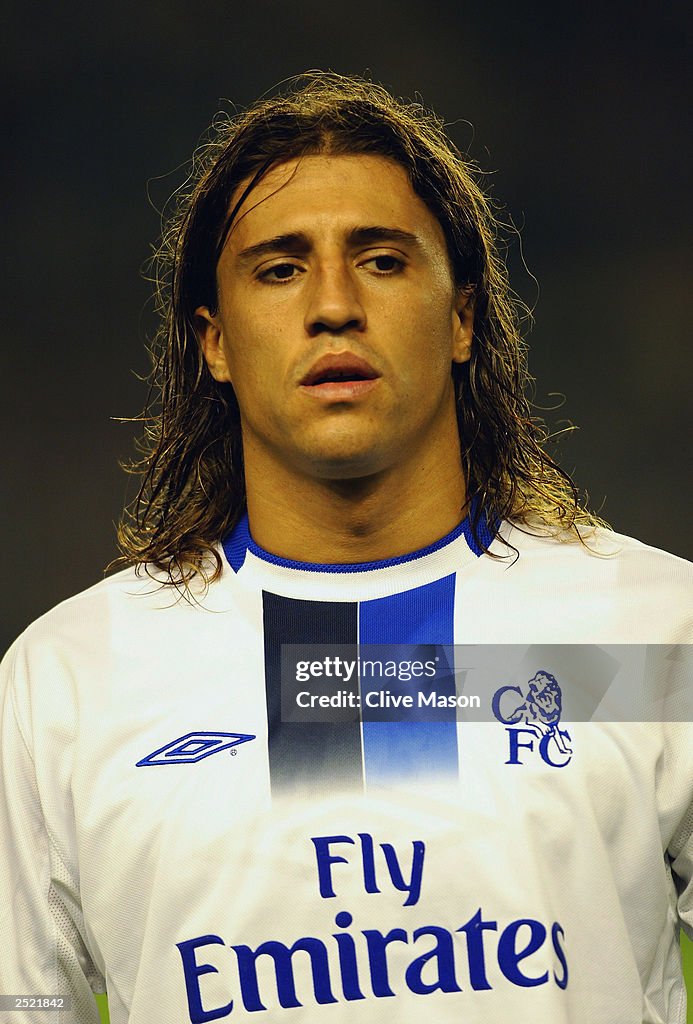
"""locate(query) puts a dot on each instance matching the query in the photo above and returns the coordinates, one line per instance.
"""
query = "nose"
(334, 302)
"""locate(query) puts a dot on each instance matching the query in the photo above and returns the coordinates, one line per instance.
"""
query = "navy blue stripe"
(310, 757)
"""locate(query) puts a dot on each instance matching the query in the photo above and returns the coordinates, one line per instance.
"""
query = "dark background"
(579, 113)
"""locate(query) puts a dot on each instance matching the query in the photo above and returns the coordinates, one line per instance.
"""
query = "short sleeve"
(44, 951)
(681, 853)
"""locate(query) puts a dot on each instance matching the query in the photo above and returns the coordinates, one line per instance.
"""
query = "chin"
(345, 457)
(355, 468)
(344, 464)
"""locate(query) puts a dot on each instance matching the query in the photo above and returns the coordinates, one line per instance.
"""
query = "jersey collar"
(239, 542)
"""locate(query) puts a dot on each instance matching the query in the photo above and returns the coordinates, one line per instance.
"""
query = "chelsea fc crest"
(532, 715)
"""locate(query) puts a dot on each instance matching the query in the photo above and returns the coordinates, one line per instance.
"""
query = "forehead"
(320, 193)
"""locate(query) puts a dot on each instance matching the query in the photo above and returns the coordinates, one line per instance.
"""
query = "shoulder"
(128, 632)
(606, 581)
(119, 612)
(596, 549)
(87, 608)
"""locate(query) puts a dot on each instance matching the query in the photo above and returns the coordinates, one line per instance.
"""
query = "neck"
(372, 518)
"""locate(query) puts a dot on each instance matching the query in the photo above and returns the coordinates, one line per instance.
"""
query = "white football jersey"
(171, 833)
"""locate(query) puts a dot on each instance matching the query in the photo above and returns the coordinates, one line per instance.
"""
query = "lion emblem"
(541, 709)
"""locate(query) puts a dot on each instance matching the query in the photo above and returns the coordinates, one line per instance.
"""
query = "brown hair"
(192, 488)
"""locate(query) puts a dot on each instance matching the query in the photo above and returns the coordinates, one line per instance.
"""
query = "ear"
(463, 324)
(211, 339)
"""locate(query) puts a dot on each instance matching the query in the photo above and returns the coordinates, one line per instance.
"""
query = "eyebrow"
(296, 243)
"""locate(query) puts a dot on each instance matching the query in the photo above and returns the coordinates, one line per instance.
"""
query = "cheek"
(430, 336)
(251, 378)
(257, 372)
(257, 346)
(245, 353)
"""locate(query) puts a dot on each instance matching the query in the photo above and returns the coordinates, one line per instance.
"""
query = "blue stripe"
(418, 624)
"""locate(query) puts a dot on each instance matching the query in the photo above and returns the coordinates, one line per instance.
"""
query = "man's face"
(338, 319)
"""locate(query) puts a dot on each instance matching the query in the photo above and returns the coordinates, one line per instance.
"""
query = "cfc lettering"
(551, 746)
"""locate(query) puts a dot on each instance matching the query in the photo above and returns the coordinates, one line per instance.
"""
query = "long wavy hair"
(192, 489)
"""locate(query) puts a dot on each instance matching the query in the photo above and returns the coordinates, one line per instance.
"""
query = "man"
(344, 455)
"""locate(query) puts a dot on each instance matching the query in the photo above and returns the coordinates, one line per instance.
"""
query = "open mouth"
(343, 368)
(339, 377)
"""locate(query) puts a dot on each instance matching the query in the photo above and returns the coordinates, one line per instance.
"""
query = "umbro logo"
(194, 746)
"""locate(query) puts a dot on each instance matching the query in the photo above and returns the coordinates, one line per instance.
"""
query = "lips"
(339, 368)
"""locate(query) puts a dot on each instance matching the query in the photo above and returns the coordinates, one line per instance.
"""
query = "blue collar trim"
(239, 542)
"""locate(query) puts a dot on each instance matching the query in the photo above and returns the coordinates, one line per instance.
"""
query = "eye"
(385, 263)
(279, 272)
